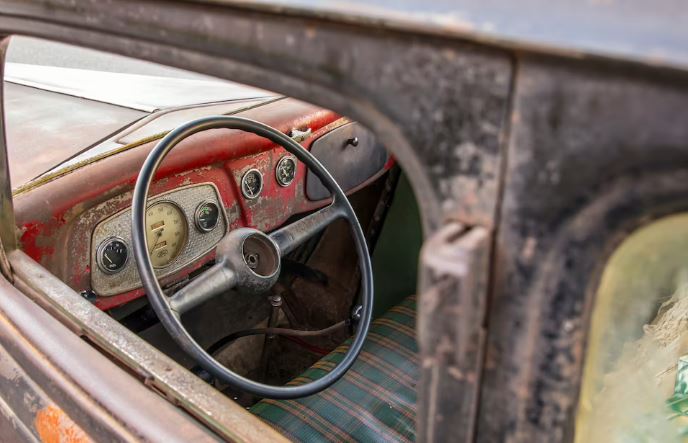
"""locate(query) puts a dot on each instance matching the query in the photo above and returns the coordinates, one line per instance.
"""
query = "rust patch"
(54, 426)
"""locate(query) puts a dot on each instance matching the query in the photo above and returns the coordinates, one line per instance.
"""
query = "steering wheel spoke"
(294, 234)
(215, 281)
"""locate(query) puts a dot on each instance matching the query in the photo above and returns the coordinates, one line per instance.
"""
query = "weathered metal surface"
(98, 396)
(164, 121)
(33, 413)
(631, 30)
(140, 133)
(350, 154)
(595, 151)
(454, 265)
(40, 134)
(8, 238)
(118, 390)
(11, 428)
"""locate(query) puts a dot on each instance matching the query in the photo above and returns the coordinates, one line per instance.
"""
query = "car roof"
(639, 30)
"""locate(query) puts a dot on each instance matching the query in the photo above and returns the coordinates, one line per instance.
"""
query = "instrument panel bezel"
(198, 242)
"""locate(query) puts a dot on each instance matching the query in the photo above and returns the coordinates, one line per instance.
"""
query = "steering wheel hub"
(261, 255)
(253, 257)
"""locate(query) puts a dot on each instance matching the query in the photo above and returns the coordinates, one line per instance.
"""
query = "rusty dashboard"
(214, 182)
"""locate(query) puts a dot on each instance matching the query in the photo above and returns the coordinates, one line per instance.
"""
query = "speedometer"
(166, 232)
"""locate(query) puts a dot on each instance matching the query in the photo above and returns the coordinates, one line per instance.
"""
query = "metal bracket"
(299, 136)
(454, 268)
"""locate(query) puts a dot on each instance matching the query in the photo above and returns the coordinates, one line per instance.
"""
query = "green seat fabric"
(375, 401)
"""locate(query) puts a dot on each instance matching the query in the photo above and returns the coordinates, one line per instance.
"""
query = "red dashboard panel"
(57, 219)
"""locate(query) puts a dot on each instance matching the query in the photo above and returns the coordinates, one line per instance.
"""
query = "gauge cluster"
(181, 226)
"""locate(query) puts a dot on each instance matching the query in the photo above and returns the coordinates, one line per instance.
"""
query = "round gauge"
(166, 232)
(112, 255)
(252, 183)
(207, 216)
(286, 170)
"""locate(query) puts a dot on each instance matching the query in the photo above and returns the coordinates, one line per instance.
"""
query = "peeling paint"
(55, 426)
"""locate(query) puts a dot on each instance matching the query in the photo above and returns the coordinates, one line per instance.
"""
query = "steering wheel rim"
(171, 319)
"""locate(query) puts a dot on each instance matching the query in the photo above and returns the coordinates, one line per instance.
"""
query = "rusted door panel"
(450, 331)
(29, 411)
(11, 428)
(595, 150)
(72, 381)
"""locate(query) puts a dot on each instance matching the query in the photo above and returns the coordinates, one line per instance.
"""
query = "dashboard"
(78, 226)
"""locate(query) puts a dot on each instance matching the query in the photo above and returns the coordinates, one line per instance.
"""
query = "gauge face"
(166, 232)
(112, 255)
(252, 184)
(207, 216)
(286, 170)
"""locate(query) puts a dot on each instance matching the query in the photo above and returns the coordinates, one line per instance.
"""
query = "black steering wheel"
(248, 260)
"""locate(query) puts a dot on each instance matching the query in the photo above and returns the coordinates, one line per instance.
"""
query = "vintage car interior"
(258, 243)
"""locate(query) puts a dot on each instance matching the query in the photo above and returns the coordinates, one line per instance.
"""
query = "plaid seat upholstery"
(375, 401)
